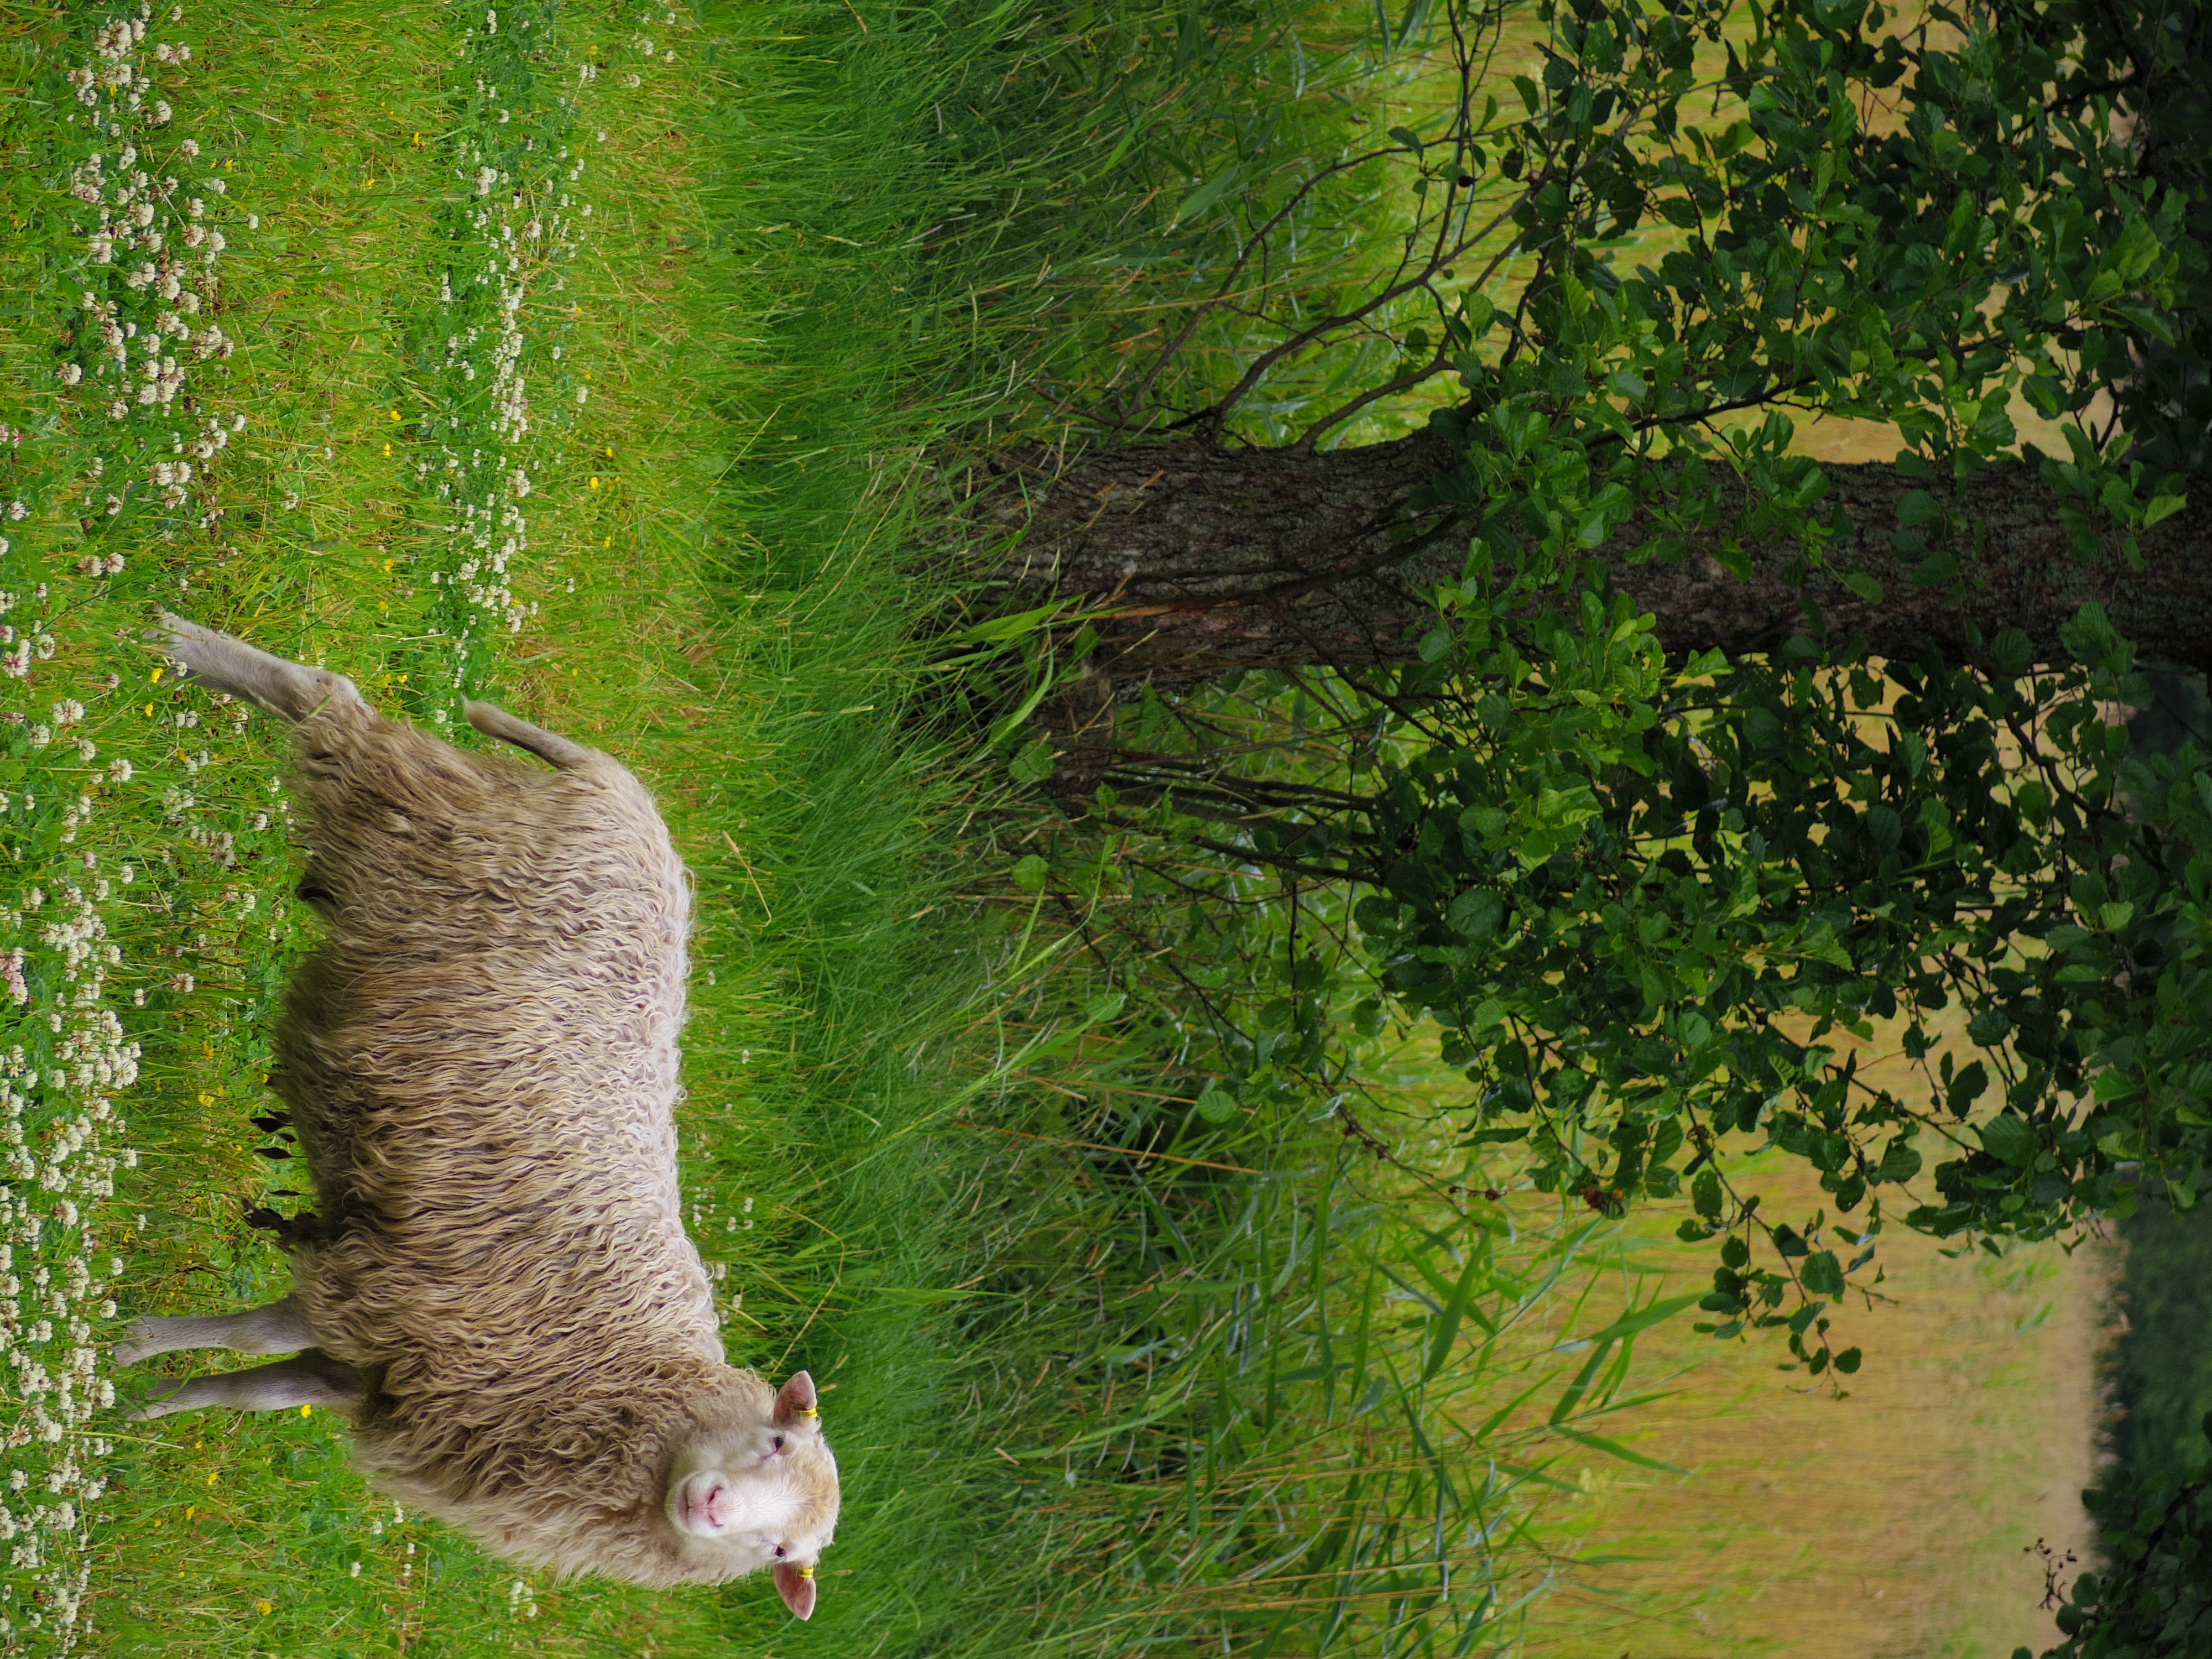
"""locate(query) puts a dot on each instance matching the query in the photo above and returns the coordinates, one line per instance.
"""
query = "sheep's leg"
(288, 690)
(313, 1378)
(280, 1327)
(547, 745)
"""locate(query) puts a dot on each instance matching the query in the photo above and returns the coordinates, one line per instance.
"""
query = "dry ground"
(1898, 1521)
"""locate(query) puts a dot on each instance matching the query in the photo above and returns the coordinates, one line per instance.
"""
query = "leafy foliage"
(2155, 1596)
(1642, 896)
(1639, 901)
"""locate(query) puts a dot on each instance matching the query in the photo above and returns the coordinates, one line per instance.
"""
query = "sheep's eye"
(777, 1442)
(779, 1551)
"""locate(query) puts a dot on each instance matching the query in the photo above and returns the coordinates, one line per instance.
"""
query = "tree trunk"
(1210, 560)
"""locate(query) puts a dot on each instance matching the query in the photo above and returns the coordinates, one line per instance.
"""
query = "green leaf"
(1030, 874)
(1216, 1104)
(1643, 1318)
(2010, 1139)
(1989, 1027)
(1863, 585)
(1966, 1088)
(1916, 507)
(1207, 194)
(1445, 1329)
(1034, 764)
(1936, 570)
(1474, 915)
(1615, 1449)
(1705, 1193)
(1822, 1274)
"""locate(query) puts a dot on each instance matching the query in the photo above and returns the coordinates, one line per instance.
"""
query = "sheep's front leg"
(290, 690)
(313, 1378)
(280, 1327)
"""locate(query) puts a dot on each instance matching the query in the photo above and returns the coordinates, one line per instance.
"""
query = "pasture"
(592, 361)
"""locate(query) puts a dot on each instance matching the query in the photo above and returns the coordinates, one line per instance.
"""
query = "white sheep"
(480, 1058)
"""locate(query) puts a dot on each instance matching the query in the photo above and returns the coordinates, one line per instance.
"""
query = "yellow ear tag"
(806, 1572)
(808, 1411)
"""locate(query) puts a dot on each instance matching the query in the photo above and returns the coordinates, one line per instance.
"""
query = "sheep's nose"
(717, 1505)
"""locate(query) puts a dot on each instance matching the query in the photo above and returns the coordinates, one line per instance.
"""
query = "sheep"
(480, 1060)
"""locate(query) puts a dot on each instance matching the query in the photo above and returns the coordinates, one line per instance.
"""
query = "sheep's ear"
(795, 1402)
(796, 1585)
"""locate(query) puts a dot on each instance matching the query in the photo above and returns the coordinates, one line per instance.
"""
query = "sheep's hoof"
(144, 1403)
(178, 634)
(139, 1342)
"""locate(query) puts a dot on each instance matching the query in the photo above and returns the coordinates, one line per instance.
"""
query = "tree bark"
(1209, 559)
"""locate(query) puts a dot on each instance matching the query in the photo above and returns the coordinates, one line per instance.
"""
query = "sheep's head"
(754, 1494)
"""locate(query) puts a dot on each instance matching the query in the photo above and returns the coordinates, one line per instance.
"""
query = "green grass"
(1086, 1400)
(707, 590)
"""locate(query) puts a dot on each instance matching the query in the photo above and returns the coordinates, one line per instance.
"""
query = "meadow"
(612, 364)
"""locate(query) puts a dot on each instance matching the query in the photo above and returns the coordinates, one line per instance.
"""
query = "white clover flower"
(71, 373)
(40, 735)
(119, 771)
(190, 149)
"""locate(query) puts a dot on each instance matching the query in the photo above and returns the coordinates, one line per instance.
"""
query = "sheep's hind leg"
(496, 722)
(280, 1327)
(313, 1378)
(290, 690)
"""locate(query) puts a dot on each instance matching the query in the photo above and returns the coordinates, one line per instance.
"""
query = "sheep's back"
(481, 1057)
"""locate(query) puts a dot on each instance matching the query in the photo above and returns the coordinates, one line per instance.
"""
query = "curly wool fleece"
(481, 1059)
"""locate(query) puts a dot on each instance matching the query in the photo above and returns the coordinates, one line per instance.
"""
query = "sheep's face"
(754, 1494)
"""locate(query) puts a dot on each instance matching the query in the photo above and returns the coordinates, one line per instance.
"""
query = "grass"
(704, 282)
(1106, 1372)
(703, 583)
